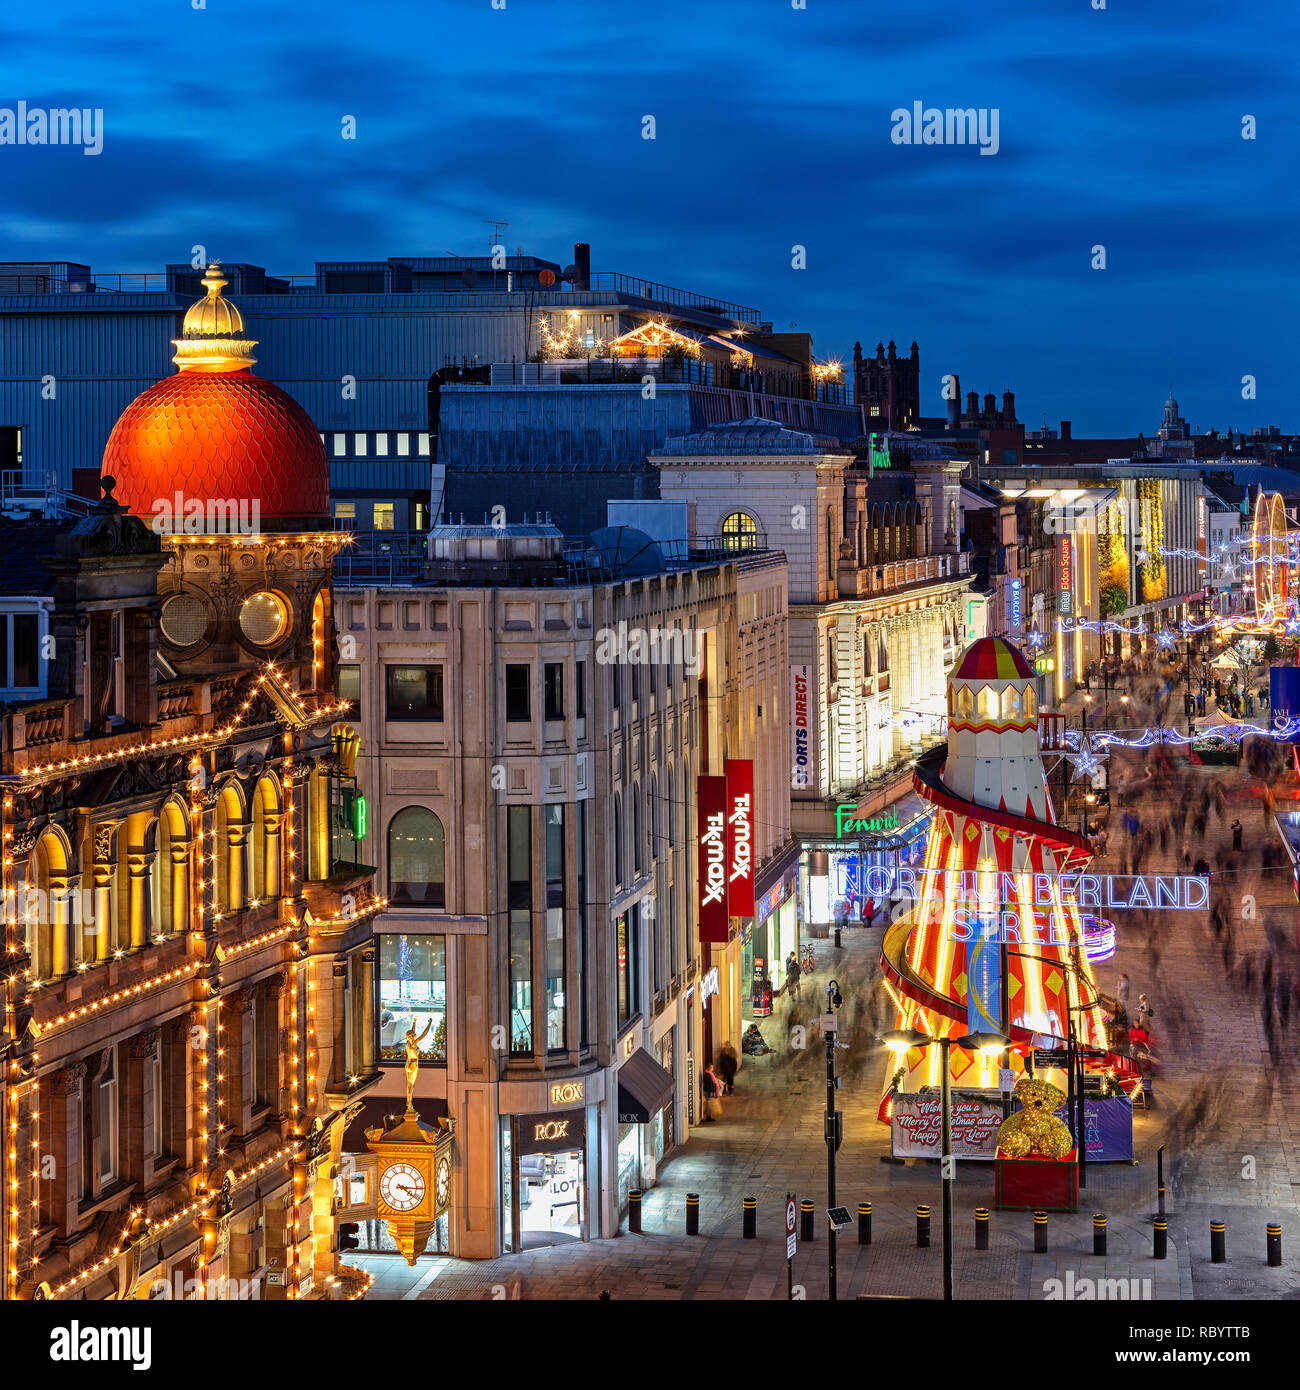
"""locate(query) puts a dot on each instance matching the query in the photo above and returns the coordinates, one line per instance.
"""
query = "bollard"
(1274, 1244)
(1161, 1237)
(1040, 1233)
(634, 1211)
(1218, 1243)
(1098, 1234)
(923, 1228)
(692, 1213)
(981, 1228)
(864, 1223)
(806, 1210)
(749, 1218)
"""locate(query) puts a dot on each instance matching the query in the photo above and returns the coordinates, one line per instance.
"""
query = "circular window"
(184, 620)
(263, 618)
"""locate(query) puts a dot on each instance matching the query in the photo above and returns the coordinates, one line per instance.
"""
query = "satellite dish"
(624, 550)
(469, 277)
(570, 273)
(546, 278)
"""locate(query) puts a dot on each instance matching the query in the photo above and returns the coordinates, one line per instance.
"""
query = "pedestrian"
(1236, 833)
(1121, 991)
(792, 973)
(727, 1066)
(1144, 1014)
(711, 1089)
(1187, 854)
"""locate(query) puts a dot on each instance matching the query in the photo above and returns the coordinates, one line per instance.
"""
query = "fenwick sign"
(847, 824)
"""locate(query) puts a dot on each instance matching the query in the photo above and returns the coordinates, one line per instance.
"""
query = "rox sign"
(725, 839)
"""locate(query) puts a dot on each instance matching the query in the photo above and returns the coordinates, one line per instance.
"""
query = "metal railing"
(616, 282)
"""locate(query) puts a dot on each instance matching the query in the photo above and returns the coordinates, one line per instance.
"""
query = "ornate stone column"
(369, 1062)
(178, 869)
(140, 870)
(236, 864)
(270, 850)
(102, 882)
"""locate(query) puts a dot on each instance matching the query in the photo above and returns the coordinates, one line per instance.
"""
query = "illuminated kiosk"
(992, 873)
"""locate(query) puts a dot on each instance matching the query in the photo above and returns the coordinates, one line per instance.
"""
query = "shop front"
(544, 1178)
(645, 1102)
(767, 942)
(834, 877)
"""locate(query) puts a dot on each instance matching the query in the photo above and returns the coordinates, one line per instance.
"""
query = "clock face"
(442, 1182)
(402, 1187)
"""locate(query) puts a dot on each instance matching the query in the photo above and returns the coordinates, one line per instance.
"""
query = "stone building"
(188, 988)
(533, 724)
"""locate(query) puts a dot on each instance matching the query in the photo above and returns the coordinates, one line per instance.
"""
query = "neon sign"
(801, 773)
(1185, 893)
(845, 824)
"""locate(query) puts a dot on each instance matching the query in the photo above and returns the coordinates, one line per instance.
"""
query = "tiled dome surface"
(228, 435)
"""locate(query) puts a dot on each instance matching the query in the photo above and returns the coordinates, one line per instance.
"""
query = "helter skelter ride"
(992, 912)
(1269, 558)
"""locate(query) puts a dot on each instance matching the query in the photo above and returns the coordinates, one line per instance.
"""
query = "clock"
(402, 1187)
(441, 1183)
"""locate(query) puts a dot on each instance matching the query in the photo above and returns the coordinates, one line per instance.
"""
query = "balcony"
(856, 581)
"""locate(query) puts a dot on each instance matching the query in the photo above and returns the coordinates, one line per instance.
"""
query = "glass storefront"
(629, 1162)
(412, 994)
(664, 1136)
(839, 888)
(545, 1202)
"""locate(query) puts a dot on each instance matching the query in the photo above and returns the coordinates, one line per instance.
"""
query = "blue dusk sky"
(1119, 127)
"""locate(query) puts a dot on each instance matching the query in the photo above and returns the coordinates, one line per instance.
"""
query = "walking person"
(1236, 833)
(728, 1064)
(792, 973)
(1144, 1014)
(1121, 991)
(711, 1090)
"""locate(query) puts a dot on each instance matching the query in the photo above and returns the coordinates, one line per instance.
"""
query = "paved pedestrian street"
(1229, 1119)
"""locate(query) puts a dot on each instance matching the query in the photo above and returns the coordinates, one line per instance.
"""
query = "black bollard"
(806, 1212)
(634, 1211)
(1040, 1233)
(692, 1213)
(1160, 1248)
(749, 1218)
(1098, 1234)
(981, 1228)
(923, 1228)
(1218, 1243)
(864, 1223)
(1160, 1181)
(1274, 1244)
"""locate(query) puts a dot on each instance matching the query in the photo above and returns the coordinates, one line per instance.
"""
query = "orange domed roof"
(216, 433)
(228, 435)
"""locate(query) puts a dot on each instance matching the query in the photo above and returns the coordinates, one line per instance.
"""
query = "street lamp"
(833, 1121)
(901, 1040)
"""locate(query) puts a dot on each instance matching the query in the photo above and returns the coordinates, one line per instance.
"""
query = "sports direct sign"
(711, 839)
(800, 726)
(740, 836)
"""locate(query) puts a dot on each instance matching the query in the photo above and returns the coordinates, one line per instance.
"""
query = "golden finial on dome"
(212, 335)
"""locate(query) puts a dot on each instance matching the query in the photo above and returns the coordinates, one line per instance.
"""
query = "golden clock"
(441, 1183)
(402, 1187)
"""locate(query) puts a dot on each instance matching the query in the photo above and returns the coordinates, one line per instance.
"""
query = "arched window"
(830, 547)
(877, 555)
(46, 910)
(266, 840)
(231, 875)
(670, 812)
(417, 868)
(171, 872)
(635, 798)
(739, 532)
(618, 840)
(862, 538)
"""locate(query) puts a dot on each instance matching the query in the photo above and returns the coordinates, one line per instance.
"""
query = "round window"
(184, 620)
(263, 618)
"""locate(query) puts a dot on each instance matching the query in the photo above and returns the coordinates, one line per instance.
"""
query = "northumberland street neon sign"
(1178, 892)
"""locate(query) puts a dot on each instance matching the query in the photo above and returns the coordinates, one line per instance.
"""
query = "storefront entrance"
(544, 1179)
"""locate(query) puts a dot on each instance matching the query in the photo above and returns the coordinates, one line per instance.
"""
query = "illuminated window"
(403, 445)
(359, 445)
(264, 618)
(381, 444)
(412, 994)
(986, 702)
(345, 511)
(1010, 703)
(739, 532)
(424, 446)
(417, 873)
(384, 515)
(965, 702)
(340, 445)
(1031, 703)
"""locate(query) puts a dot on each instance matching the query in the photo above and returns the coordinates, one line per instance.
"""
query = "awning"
(644, 1088)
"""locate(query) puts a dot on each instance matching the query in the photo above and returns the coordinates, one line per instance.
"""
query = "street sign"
(790, 1243)
(1006, 1079)
(839, 1218)
(1050, 1057)
(790, 1214)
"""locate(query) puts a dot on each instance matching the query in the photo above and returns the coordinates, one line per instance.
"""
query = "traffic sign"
(790, 1213)
(790, 1243)
(839, 1218)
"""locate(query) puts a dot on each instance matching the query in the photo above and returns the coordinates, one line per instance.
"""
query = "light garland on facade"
(168, 977)
(338, 539)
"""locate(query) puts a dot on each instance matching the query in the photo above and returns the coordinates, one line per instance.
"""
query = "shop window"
(518, 705)
(412, 994)
(520, 898)
(412, 692)
(417, 871)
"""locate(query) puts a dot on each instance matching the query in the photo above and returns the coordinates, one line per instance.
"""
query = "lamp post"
(901, 1040)
(833, 1001)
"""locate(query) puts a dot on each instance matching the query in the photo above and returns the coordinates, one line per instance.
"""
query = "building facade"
(533, 725)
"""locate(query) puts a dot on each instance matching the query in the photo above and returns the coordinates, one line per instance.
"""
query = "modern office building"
(534, 720)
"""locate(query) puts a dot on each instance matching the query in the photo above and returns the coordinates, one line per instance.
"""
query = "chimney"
(581, 265)
(1065, 430)
(990, 404)
(972, 405)
(954, 403)
(1008, 407)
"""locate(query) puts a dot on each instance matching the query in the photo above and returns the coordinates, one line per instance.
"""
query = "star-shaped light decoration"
(1166, 638)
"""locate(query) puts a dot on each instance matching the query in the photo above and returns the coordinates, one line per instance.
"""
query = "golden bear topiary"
(1034, 1132)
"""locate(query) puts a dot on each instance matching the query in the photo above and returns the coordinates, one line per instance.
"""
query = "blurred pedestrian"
(1236, 833)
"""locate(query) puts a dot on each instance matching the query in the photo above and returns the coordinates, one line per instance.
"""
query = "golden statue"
(413, 1062)
(1035, 1131)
